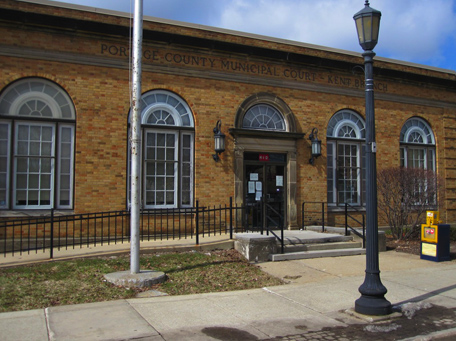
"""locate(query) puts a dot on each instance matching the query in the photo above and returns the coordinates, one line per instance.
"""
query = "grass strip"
(82, 280)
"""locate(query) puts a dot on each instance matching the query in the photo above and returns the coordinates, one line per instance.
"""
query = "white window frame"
(71, 166)
(358, 171)
(426, 146)
(17, 156)
(265, 112)
(5, 204)
(334, 200)
(345, 118)
(419, 126)
(183, 126)
(175, 163)
(26, 94)
(191, 168)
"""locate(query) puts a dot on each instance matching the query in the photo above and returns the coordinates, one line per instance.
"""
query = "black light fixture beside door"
(315, 145)
(219, 141)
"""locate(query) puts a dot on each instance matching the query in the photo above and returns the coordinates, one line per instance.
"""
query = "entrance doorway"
(265, 190)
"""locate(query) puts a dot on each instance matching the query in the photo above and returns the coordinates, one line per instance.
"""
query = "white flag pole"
(135, 135)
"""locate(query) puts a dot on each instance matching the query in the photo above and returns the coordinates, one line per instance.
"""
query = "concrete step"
(317, 238)
(316, 254)
(289, 248)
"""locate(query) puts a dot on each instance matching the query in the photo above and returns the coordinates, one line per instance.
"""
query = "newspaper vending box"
(435, 239)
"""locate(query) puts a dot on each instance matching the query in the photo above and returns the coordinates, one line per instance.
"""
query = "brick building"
(65, 101)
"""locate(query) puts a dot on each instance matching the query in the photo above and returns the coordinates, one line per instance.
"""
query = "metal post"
(323, 217)
(346, 219)
(372, 300)
(282, 233)
(135, 137)
(197, 222)
(51, 254)
(231, 217)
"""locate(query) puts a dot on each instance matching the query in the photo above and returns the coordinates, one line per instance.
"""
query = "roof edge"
(235, 33)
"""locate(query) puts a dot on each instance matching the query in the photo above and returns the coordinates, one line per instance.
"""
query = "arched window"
(346, 158)
(37, 121)
(167, 129)
(417, 144)
(263, 117)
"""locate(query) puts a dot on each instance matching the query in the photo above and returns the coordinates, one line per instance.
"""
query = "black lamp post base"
(373, 305)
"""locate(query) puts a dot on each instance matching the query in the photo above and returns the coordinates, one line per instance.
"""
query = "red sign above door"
(263, 157)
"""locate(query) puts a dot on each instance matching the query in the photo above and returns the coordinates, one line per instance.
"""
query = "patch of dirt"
(408, 246)
(412, 246)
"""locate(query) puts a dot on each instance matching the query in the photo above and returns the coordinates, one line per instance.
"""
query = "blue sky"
(418, 31)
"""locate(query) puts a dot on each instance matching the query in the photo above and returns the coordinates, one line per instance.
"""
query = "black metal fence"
(55, 231)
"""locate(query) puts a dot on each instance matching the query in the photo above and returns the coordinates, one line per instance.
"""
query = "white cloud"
(417, 29)
(410, 29)
(328, 23)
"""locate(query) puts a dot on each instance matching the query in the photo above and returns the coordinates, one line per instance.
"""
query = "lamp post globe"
(372, 300)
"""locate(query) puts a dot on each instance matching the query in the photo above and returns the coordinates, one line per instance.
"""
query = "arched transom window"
(264, 117)
(37, 122)
(346, 124)
(165, 108)
(167, 129)
(345, 158)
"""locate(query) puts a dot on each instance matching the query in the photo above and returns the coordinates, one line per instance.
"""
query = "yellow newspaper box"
(435, 239)
(432, 217)
(429, 233)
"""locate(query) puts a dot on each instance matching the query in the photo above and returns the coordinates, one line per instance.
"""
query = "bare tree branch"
(404, 195)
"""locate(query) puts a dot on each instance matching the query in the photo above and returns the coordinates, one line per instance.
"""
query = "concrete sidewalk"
(316, 304)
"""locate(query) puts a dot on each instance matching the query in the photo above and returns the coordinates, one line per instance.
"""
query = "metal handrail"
(363, 223)
(281, 220)
(322, 214)
(347, 217)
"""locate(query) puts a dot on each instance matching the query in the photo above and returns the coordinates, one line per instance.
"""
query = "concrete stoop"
(297, 245)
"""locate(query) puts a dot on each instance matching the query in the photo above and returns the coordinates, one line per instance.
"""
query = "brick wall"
(97, 80)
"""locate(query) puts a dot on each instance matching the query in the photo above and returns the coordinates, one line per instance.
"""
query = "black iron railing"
(264, 217)
(57, 231)
(63, 231)
(277, 223)
(350, 218)
(313, 214)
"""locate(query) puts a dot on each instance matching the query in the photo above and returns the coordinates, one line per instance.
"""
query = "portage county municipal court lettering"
(157, 56)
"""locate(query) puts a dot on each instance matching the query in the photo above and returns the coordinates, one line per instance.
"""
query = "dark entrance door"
(265, 190)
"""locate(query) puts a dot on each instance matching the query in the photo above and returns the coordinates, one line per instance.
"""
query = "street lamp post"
(372, 300)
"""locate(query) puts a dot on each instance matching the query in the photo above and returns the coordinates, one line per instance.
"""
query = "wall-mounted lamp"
(219, 141)
(316, 145)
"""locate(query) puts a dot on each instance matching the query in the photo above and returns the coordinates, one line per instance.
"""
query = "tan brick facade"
(90, 62)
